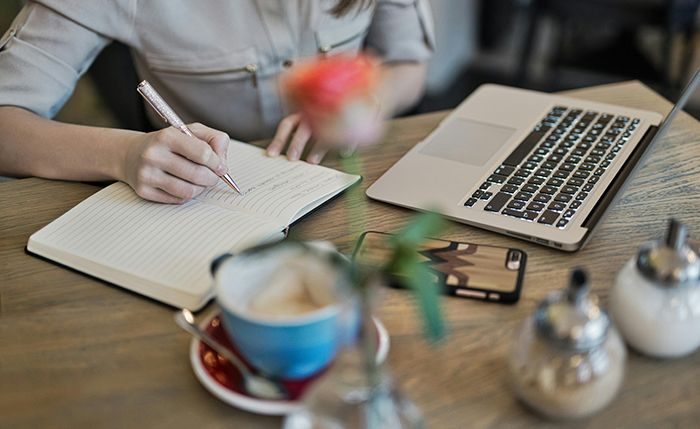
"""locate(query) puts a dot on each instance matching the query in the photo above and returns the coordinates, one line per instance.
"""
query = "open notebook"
(163, 251)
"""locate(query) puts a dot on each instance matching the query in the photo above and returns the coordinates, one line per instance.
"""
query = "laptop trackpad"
(466, 141)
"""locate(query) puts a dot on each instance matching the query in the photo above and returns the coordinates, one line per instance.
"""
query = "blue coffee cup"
(289, 346)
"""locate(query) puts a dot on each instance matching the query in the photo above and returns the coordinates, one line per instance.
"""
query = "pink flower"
(337, 97)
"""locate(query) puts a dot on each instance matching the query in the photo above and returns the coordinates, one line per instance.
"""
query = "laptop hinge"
(619, 183)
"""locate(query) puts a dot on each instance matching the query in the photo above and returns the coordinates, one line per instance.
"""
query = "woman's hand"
(168, 166)
(297, 128)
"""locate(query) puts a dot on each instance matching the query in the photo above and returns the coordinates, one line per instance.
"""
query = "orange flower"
(336, 96)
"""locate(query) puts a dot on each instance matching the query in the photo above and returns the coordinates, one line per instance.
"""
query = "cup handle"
(216, 263)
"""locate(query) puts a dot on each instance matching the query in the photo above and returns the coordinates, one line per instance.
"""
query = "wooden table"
(75, 352)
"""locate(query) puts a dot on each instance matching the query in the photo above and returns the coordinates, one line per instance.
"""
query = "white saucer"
(250, 403)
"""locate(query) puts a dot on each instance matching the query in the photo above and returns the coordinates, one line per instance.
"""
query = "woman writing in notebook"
(215, 62)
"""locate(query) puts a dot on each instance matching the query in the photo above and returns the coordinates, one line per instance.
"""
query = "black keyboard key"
(603, 145)
(517, 156)
(522, 173)
(568, 214)
(580, 174)
(523, 196)
(563, 198)
(477, 194)
(529, 215)
(484, 186)
(581, 196)
(586, 166)
(486, 195)
(599, 172)
(529, 188)
(497, 202)
(575, 204)
(615, 149)
(496, 178)
(535, 158)
(555, 182)
(553, 138)
(536, 180)
(547, 144)
(548, 217)
(511, 212)
(584, 146)
(529, 166)
(566, 144)
(516, 205)
(470, 202)
(555, 158)
(605, 117)
(578, 152)
(575, 112)
(509, 188)
(567, 167)
(573, 160)
(594, 179)
(562, 223)
(551, 190)
(542, 128)
(541, 151)
(590, 138)
(569, 190)
(588, 187)
(535, 206)
(592, 159)
(561, 174)
(516, 181)
(556, 206)
(575, 182)
(560, 151)
(598, 152)
(549, 165)
(504, 170)
(542, 198)
(542, 172)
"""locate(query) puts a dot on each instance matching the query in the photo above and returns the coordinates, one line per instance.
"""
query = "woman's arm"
(165, 166)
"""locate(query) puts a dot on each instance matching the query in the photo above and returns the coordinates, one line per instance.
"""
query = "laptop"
(531, 165)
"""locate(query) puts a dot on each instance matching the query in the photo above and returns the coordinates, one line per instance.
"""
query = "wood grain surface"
(76, 352)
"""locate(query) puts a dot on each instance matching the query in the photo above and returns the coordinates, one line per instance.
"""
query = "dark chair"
(574, 17)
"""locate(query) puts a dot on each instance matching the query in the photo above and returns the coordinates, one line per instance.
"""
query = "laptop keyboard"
(549, 175)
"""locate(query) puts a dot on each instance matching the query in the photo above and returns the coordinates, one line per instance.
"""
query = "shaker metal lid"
(570, 320)
(670, 262)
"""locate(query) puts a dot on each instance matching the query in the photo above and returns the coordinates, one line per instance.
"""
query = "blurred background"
(548, 45)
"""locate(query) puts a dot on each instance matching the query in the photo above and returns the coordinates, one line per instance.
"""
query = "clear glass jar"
(567, 360)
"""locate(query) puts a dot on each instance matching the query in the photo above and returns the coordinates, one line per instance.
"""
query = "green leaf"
(406, 267)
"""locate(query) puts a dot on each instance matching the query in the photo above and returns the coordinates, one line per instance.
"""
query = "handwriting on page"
(169, 244)
(274, 188)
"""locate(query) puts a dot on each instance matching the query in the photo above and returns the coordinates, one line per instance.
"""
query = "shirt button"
(287, 63)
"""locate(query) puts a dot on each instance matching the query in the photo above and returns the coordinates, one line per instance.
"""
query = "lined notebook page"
(170, 246)
(274, 188)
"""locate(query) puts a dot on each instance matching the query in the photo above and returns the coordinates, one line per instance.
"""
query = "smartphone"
(465, 270)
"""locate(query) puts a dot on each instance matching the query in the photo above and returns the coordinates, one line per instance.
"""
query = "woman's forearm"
(402, 87)
(34, 146)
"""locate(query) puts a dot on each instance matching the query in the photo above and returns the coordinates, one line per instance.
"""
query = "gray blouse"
(216, 62)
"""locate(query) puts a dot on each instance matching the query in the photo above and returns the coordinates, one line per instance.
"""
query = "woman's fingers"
(218, 140)
(284, 132)
(301, 137)
(196, 150)
(317, 153)
(175, 186)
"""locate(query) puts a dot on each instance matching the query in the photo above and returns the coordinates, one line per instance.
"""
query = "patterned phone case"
(464, 269)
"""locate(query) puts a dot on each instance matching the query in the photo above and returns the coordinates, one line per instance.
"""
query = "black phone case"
(465, 270)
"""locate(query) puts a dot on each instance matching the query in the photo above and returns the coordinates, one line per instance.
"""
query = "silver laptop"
(531, 165)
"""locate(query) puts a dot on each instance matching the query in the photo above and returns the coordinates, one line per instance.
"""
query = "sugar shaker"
(568, 360)
(656, 298)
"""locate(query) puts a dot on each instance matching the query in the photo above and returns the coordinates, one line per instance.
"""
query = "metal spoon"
(256, 385)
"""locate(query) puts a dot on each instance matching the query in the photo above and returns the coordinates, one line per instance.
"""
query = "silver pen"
(170, 117)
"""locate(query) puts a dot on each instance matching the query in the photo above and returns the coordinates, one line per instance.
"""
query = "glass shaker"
(656, 297)
(568, 360)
